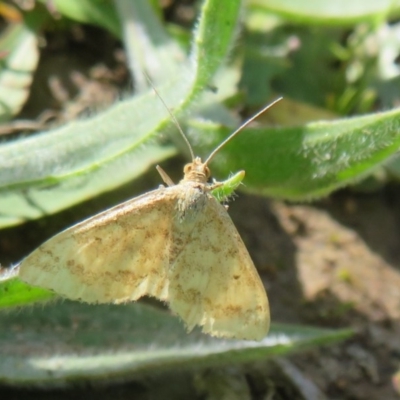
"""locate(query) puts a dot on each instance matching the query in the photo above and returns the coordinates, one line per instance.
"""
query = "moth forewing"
(118, 255)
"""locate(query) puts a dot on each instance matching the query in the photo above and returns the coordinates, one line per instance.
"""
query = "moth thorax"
(196, 171)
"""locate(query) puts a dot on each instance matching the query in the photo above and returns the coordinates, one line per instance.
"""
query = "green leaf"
(52, 170)
(68, 343)
(228, 186)
(14, 293)
(211, 48)
(308, 161)
(150, 49)
(20, 56)
(96, 12)
(339, 12)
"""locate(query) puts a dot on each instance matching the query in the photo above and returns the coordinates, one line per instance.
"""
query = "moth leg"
(215, 184)
(164, 176)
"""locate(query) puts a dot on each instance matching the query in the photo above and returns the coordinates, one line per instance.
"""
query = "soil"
(333, 263)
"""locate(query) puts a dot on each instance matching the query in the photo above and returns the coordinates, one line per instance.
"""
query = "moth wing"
(214, 283)
(118, 255)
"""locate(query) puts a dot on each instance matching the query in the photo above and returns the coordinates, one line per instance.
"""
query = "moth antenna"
(174, 119)
(241, 127)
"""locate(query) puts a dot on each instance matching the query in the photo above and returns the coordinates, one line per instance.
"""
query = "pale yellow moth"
(176, 243)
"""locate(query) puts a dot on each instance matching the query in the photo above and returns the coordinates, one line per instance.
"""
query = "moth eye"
(207, 172)
(187, 168)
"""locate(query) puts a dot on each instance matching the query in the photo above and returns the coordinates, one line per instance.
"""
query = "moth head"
(196, 171)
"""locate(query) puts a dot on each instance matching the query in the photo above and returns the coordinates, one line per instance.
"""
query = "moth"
(176, 243)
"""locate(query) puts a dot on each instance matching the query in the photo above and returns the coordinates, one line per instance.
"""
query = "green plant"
(298, 161)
